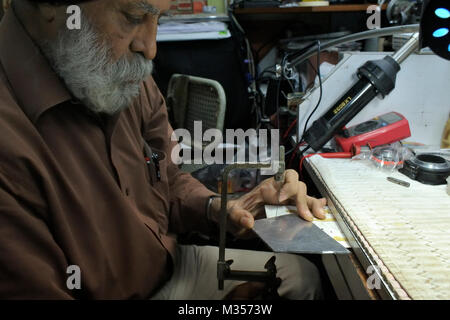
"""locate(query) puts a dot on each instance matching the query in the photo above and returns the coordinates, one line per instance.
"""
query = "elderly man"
(79, 113)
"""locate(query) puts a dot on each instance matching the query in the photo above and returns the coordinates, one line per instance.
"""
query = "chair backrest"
(196, 99)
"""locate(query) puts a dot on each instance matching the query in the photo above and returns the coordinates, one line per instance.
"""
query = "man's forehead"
(154, 7)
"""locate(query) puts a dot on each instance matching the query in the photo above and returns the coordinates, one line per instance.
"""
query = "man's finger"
(316, 206)
(242, 218)
(289, 188)
(301, 202)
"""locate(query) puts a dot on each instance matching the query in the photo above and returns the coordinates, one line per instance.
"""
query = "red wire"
(324, 155)
(289, 129)
(301, 164)
(294, 152)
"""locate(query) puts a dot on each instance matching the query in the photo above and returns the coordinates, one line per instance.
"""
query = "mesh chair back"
(204, 100)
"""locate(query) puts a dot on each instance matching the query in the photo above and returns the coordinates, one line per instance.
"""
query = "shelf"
(312, 9)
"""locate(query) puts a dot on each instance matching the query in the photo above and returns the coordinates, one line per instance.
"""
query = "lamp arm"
(354, 37)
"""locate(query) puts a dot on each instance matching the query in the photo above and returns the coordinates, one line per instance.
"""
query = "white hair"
(85, 62)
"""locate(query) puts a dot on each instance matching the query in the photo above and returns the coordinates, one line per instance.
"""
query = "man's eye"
(134, 19)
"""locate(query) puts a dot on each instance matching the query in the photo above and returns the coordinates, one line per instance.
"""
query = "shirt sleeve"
(188, 196)
(32, 266)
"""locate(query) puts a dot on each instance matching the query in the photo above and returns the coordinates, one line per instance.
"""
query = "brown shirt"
(75, 188)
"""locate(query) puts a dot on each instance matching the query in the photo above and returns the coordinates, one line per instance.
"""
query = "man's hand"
(243, 211)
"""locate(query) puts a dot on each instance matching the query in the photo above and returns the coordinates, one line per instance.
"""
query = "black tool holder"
(224, 271)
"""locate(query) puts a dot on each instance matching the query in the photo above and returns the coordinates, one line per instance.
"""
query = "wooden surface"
(331, 8)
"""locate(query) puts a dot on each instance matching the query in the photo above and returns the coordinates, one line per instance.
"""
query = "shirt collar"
(36, 86)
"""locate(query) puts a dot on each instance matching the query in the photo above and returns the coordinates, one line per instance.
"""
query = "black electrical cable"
(287, 55)
(260, 78)
(283, 76)
(315, 72)
(321, 89)
(300, 141)
(266, 70)
(278, 93)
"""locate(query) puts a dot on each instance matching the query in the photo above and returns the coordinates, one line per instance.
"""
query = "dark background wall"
(214, 59)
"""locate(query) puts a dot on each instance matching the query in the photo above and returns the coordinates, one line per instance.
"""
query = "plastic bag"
(389, 157)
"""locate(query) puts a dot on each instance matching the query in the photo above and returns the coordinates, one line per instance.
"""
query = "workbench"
(399, 236)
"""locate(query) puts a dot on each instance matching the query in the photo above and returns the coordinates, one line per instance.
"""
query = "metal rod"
(409, 47)
(223, 202)
(355, 37)
(258, 276)
(398, 181)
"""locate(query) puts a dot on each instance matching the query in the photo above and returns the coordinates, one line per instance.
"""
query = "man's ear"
(47, 11)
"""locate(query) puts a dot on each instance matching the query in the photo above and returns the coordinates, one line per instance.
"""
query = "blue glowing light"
(442, 13)
(440, 32)
(449, 48)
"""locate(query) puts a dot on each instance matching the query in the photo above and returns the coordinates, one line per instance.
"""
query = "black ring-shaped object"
(427, 168)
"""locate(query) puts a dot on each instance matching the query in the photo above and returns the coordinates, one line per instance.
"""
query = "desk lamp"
(434, 27)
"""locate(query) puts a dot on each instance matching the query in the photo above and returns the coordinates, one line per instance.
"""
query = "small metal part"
(398, 181)
(278, 71)
(279, 176)
(294, 99)
(409, 47)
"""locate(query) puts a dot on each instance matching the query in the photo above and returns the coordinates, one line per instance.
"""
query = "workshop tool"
(377, 76)
(399, 182)
(384, 129)
(224, 271)
(427, 168)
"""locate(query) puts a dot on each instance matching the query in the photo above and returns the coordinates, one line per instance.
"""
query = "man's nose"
(144, 41)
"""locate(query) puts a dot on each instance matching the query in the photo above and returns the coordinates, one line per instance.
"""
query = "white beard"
(85, 64)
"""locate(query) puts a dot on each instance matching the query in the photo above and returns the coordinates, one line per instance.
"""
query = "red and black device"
(384, 129)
